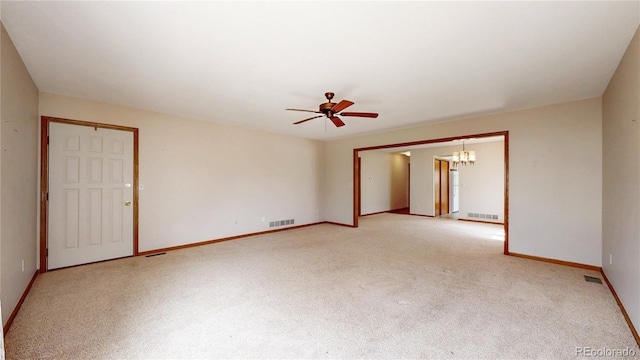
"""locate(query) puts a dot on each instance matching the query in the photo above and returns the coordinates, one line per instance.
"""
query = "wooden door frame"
(447, 176)
(359, 204)
(505, 134)
(44, 178)
(409, 184)
(437, 186)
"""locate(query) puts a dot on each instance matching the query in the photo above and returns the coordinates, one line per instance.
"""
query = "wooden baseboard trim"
(558, 262)
(339, 224)
(6, 326)
(482, 221)
(207, 242)
(624, 312)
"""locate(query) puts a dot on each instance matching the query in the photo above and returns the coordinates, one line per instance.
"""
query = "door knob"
(127, 203)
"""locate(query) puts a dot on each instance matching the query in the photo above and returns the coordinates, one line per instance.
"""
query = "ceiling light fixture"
(463, 157)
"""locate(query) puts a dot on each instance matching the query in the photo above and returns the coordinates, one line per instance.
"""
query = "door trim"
(44, 178)
(437, 187)
(356, 174)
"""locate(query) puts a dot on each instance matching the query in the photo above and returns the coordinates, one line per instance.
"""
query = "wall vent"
(281, 223)
(483, 216)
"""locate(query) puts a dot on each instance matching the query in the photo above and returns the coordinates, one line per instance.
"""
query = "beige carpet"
(397, 287)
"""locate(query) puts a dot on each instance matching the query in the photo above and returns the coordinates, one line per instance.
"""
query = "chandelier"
(463, 157)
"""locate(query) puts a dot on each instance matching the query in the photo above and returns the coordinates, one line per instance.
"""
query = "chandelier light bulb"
(463, 157)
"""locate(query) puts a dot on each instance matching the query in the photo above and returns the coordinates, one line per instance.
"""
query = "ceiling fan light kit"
(331, 110)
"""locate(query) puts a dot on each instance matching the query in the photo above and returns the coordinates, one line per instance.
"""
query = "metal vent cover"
(592, 279)
(483, 216)
(281, 223)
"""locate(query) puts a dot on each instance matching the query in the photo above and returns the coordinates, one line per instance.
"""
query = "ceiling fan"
(331, 110)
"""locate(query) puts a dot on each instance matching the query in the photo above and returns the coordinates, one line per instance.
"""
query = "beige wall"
(384, 181)
(482, 184)
(375, 182)
(621, 180)
(399, 182)
(555, 183)
(204, 180)
(422, 176)
(19, 167)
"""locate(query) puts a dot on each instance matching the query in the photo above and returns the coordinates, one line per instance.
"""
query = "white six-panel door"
(90, 214)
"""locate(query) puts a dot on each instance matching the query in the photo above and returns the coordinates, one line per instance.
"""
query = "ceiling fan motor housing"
(326, 107)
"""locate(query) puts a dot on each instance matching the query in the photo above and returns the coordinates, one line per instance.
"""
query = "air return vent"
(483, 216)
(592, 279)
(281, 223)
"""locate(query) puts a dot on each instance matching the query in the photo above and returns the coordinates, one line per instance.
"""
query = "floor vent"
(281, 223)
(158, 254)
(592, 279)
(482, 216)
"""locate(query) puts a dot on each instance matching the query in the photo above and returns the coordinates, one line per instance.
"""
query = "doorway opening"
(441, 142)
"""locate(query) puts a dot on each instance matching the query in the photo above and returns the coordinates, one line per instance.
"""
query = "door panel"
(444, 187)
(90, 179)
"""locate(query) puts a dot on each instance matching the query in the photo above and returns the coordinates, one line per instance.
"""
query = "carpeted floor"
(396, 287)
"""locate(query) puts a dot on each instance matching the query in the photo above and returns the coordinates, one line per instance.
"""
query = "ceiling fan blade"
(336, 121)
(360, 114)
(312, 111)
(311, 118)
(341, 106)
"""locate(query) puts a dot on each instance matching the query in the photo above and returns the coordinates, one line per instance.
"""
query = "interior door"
(440, 187)
(444, 187)
(91, 182)
(436, 186)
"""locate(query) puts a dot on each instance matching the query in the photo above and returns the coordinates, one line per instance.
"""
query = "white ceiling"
(243, 63)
